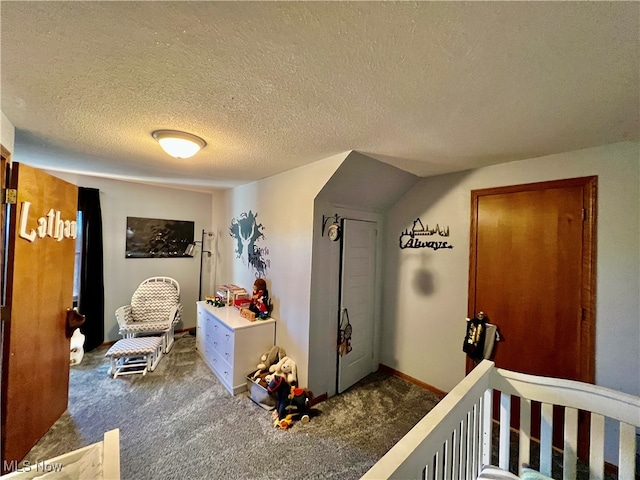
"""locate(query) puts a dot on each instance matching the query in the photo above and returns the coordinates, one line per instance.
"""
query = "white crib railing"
(454, 440)
(98, 461)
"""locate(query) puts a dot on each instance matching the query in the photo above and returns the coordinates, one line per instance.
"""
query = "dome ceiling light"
(179, 144)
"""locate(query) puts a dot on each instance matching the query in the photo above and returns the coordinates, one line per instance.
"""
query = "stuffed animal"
(269, 359)
(286, 368)
(292, 402)
(260, 299)
(77, 344)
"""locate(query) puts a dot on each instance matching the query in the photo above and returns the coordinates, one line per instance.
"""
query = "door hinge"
(9, 196)
(584, 214)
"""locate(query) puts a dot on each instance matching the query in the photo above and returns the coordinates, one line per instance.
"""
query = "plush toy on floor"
(77, 347)
(286, 368)
(269, 359)
(292, 402)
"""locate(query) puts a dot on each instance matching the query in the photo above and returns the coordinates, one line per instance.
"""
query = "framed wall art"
(158, 238)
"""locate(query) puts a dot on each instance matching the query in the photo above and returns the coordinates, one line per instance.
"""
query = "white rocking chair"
(155, 309)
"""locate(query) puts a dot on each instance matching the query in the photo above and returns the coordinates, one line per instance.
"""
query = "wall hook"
(336, 220)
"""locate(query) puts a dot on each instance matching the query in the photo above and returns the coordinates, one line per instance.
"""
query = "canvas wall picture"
(157, 238)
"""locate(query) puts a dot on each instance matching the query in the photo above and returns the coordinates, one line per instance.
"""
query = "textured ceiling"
(430, 87)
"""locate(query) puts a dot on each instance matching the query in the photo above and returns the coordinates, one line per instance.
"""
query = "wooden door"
(531, 273)
(4, 159)
(35, 371)
(357, 300)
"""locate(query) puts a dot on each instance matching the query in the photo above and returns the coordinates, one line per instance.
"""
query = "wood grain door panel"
(529, 248)
(39, 290)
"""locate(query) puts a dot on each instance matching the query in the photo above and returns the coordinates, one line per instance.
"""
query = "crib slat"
(471, 427)
(455, 454)
(546, 435)
(463, 449)
(626, 464)
(474, 441)
(596, 448)
(447, 460)
(570, 457)
(486, 426)
(505, 421)
(524, 451)
(469, 472)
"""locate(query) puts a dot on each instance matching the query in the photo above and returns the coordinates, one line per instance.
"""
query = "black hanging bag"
(475, 337)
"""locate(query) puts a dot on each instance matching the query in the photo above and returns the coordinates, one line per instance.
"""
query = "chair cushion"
(148, 327)
(134, 346)
(152, 302)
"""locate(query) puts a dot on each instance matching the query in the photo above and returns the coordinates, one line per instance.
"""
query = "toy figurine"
(260, 299)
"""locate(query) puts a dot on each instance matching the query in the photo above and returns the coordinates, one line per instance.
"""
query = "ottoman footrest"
(134, 355)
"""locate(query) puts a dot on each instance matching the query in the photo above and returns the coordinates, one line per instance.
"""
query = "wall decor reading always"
(246, 231)
(157, 238)
(421, 237)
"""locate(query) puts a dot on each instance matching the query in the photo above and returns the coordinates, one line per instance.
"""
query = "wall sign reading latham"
(423, 237)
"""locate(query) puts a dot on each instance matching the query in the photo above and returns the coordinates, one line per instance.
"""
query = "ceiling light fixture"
(179, 144)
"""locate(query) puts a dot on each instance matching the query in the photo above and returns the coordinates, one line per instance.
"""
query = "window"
(78, 261)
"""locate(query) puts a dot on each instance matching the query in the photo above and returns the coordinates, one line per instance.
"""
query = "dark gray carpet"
(179, 422)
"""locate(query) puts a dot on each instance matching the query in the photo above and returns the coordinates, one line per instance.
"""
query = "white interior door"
(357, 299)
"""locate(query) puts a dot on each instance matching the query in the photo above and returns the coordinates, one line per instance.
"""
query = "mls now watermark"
(26, 466)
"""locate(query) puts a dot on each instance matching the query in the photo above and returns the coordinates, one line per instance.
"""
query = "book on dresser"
(230, 344)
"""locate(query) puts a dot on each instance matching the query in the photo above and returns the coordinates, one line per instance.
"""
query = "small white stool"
(134, 355)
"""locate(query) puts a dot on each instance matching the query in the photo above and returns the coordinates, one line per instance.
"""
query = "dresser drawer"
(222, 368)
(223, 341)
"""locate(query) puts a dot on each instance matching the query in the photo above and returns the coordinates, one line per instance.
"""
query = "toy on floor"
(268, 359)
(292, 402)
(286, 368)
(77, 347)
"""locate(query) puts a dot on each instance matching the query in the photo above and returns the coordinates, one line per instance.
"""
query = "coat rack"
(190, 250)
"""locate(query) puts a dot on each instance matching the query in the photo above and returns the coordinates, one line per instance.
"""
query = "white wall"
(425, 296)
(216, 267)
(7, 133)
(120, 200)
(284, 204)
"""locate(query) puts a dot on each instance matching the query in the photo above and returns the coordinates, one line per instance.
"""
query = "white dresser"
(232, 345)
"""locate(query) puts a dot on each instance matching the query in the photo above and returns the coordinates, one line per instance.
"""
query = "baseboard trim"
(318, 399)
(415, 381)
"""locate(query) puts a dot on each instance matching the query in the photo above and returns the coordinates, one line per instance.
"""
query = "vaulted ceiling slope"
(429, 87)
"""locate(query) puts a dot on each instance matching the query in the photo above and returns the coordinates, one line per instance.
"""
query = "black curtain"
(91, 301)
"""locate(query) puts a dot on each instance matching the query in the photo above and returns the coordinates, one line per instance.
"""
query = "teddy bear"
(269, 359)
(286, 368)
